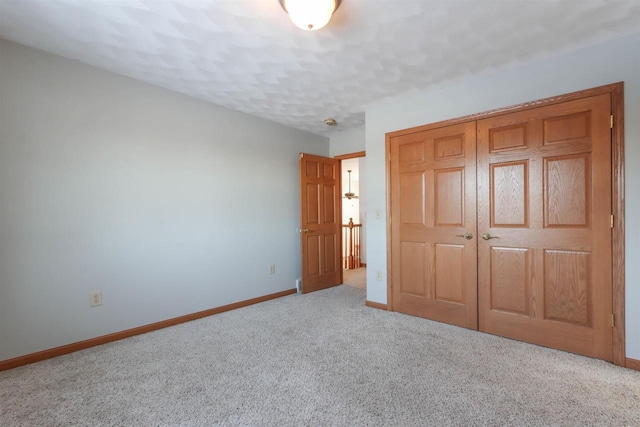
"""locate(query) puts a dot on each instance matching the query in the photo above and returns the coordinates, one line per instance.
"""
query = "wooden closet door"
(544, 203)
(433, 206)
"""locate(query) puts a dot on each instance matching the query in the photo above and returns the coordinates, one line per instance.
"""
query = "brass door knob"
(487, 236)
(467, 236)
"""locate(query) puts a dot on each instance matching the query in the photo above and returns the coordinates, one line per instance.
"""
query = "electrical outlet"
(272, 269)
(379, 275)
(95, 299)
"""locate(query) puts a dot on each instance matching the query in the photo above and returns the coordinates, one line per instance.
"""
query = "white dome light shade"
(309, 15)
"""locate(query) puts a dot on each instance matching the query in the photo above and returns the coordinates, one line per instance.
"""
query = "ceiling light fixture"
(329, 121)
(349, 195)
(310, 15)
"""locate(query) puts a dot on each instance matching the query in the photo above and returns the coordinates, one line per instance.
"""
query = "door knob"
(304, 230)
(487, 236)
(467, 236)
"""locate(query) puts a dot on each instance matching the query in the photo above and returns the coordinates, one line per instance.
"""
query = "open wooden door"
(320, 222)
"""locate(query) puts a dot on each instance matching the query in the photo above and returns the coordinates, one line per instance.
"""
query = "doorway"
(353, 199)
(330, 245)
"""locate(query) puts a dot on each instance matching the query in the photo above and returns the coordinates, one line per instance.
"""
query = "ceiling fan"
(349, 195)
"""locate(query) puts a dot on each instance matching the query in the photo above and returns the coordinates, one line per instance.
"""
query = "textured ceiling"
(246, 55)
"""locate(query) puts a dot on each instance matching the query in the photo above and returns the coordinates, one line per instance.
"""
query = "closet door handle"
(467, 236)
(487, 236)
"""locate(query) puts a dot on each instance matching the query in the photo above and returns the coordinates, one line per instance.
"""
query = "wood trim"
(633, 364)
(616, 91)
(617, 209)
(376, 305)
(388, 184)
(363, 264)
(104, 339)
(351, 155)
(341, 157)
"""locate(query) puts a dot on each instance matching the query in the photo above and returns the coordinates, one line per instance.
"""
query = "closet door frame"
(616, 92)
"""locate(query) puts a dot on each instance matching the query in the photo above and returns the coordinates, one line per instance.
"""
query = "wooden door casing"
(544, 194)
(433, 203)
(613, 326)
(320, 222)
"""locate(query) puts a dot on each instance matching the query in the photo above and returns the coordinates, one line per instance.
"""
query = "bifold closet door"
(544, 206)
(433, 211)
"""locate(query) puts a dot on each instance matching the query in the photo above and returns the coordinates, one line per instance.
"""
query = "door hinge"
(301, 155)
(611, 123)
(613, 320)
(611, 221)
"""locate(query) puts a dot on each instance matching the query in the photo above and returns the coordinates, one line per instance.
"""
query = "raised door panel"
(449, 147)
(510, 284)
(567, 279)
(312, 207)
(570, 127)
(449, 197)
(331, 253)
(329, 205)
(413, 280)
(312, 169)
(509, 194)
(313, 258)
(411, 152)
(329, 171)
(508, 137)
(412, 198)
(567, 191)
(449, 273)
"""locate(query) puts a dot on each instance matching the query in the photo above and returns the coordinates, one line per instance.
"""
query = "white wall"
(362, 172)
(615, 61)
(350, 208)
(166, 204)
(348, 141)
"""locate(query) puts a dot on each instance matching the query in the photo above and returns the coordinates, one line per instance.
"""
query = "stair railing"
(351, 245)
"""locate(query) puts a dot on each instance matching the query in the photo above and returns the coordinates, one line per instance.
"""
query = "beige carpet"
(356, 277)
(321, 359)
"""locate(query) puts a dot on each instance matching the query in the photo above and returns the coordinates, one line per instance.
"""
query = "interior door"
(544, 205)
(433, 211)
(320, 222)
